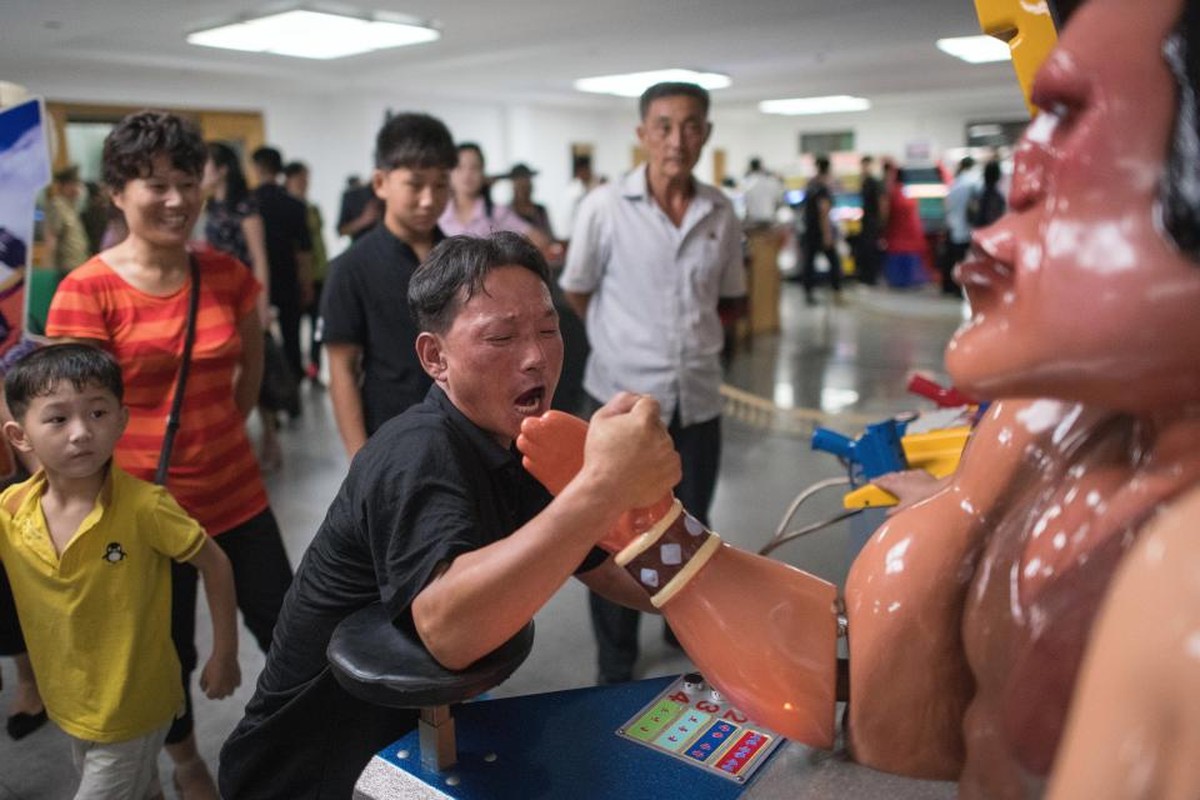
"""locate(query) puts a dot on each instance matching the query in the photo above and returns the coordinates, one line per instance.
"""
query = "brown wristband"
(655, 566)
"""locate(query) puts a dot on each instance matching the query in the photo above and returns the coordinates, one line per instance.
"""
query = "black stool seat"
(377, 661)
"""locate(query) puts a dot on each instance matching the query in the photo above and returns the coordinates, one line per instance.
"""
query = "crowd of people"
(890, 239)
(192, 266)
(969, 650)
(442, 325)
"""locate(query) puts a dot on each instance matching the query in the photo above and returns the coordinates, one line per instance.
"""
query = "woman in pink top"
(471, 210)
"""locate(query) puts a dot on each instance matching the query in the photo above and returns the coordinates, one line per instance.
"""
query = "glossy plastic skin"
(1138, 703)
(970, 613)
(762, 632)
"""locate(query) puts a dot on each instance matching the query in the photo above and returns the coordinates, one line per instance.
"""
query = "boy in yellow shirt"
(87, 549)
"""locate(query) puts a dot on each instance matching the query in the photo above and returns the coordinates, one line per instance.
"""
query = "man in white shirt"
(763, 194)
(958, 228)
(654, 258)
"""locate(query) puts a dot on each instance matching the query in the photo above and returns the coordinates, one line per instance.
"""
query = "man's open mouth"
(530, 401)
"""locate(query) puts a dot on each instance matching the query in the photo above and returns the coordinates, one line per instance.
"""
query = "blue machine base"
(560, 745)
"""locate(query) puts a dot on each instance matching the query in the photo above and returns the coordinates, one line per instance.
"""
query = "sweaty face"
(673, 133)
(414, 199)
(1076, 293)
(502, 355)
(161, 207)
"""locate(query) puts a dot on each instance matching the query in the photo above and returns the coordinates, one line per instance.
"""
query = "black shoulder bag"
(189, 337)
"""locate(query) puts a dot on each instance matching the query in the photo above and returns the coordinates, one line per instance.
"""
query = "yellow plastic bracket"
(1028, 28)
(936, 452)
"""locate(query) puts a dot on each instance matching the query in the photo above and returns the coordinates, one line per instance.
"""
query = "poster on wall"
(24, 171)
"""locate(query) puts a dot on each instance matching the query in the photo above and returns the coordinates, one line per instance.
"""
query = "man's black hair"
(294, 168)
(673, 89)
(414, 141)
(268, 159)
(463, 262)
(822, 164)
(38, 373)
(131, 147)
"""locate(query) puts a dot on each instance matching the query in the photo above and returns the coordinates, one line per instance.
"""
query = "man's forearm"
(471, 608)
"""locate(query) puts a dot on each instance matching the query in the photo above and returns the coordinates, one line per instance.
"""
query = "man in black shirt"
(365, 326)
(819, 234)
(289, 251)
(439, 521)
(365, 308)
(866, 251)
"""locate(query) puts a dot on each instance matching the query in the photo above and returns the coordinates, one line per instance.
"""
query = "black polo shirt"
(365, 303)
(429, 486)
(285, 227)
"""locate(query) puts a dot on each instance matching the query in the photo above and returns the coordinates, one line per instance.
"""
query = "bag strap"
(189, 337)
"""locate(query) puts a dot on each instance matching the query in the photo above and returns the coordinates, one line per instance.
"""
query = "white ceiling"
(531, 50)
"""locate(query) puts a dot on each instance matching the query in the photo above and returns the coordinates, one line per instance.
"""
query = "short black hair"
(131, 147)
(414, 141)
(822, 164)
(294, 168)
(464, 262)
(673, 89)
(268, 159)
(39, 372)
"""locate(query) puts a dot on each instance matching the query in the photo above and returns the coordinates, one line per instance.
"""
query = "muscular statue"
(1040, 615)
(1034, 625)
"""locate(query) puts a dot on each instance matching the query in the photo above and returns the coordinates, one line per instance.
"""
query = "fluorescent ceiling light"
(634, 83)
(976, 49)
(815, 105)
(313, 34)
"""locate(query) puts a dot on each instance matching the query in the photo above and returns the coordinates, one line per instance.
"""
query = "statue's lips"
(981, 272)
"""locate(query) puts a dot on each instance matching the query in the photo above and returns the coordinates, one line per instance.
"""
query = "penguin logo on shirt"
(114, 553)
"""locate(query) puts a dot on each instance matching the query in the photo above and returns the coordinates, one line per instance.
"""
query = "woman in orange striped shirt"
(132, 300)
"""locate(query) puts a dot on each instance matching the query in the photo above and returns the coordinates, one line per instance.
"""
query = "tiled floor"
(852, 360)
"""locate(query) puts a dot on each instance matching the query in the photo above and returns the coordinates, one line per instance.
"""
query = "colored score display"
(692, 722)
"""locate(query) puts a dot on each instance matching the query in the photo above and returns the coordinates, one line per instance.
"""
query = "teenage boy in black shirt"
(365, 325)
(438, 520)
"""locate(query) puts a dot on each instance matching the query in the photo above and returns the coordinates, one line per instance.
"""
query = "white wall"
(335, 133)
